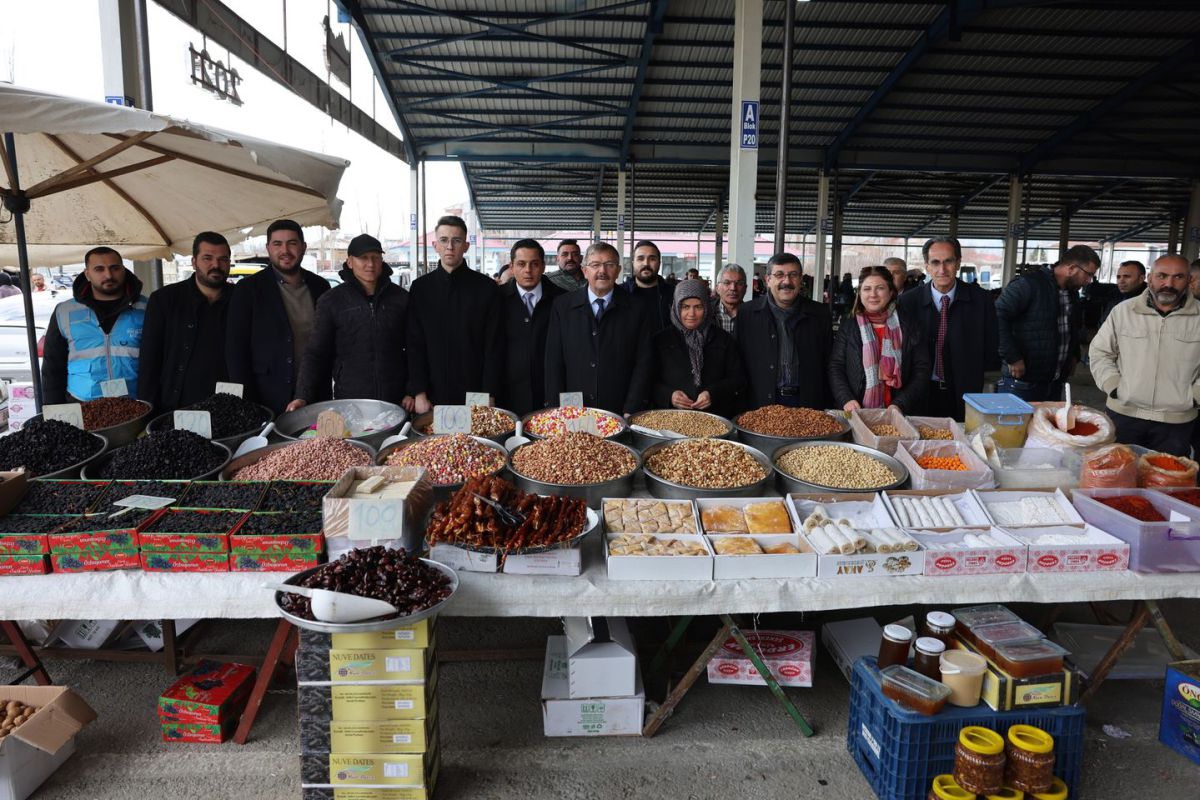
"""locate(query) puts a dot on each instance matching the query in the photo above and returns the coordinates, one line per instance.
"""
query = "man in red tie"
(958, 320)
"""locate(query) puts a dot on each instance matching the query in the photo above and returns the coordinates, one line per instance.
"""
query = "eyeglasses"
(455, 242)
(602, 264)
(733, 283)
(1091, 273)
(791, 276)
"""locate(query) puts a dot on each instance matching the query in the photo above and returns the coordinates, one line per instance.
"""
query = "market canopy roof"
(145, 183)
(923, 104)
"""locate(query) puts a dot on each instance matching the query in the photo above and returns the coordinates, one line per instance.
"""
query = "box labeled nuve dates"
(209, 694)
(788, 654)
(366, 769)
(366, 702)
(375, 736)
(355, 665)
(419, 634)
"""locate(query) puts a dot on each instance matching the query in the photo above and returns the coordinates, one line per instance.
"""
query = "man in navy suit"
(526, 301)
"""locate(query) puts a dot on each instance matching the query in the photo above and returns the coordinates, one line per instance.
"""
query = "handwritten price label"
(70, 413)
(234, 389)
(451, 419)
(376, 519)
(570, 399)
(198, 422)
(584, 424)
(114, 388)
(478, 399)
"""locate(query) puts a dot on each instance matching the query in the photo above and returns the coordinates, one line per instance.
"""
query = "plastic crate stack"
(368, 713)
(900, 752)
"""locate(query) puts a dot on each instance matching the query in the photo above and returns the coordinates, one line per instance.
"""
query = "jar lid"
(1027, 737)
(958, 662)
(897, 633)
(930, 645)
(1058, 791)
(984, 741)
(940, 618)
(946, 788)
(1006, 793)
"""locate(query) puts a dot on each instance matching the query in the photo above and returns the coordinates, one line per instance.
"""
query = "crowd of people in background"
(892, 339)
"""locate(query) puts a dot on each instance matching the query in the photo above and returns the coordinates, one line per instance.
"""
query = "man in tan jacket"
(1146, 358)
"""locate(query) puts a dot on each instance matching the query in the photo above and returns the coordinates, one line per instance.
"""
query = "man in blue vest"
(97, 335)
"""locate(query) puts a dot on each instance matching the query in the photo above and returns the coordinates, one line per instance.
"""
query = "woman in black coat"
(894, 369)
(697, 364)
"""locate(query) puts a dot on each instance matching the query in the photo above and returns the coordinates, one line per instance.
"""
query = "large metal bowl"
(769, 444)
(443, 491)
(643, 440)
(126, 432)
(421, 421)
(669, 490)
(159, 423)
(91, 471)
(254, 456)
(590, 492)
(620, 436)
(292, 424)
(74, 470)
(391, 623)
(790, 483)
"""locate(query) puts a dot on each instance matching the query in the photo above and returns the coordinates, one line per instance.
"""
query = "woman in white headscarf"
(697, 364)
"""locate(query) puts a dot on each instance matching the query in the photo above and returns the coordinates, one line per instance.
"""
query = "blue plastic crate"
(900, 751)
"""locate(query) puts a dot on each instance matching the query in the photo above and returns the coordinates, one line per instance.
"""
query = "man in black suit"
(599, 340)
(271, 318)
(958, 323)
(526, 303)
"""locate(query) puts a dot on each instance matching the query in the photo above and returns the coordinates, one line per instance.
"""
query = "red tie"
(943, 319)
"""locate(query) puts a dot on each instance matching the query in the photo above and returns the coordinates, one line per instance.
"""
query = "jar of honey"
(1030, 757)
(979, 760)
(928, 657)
(939, 625)
(893, 646)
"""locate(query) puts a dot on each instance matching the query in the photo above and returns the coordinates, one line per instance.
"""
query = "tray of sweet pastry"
(648, 515)
(744, 516)
(547, 522)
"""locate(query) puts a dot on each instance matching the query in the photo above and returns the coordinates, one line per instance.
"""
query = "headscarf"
(687, 290)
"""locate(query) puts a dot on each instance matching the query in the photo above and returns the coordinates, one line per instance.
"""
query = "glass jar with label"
(979, 760)
(893, 646)
(939, 625)
(946, 788)
(928, 657)
(1030, 756)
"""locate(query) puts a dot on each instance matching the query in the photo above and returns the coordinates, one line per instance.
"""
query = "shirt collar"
(592, 298)
(937, 296)
(535, 291)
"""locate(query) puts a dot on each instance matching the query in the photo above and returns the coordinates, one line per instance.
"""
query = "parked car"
(14, 346)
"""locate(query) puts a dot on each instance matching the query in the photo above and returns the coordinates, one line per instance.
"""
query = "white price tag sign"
(70, 413)
(584, 424)
(570, 399)
(451, 419)
(147, 501)
(478, 399)
(114, 388)
(234, 389)
(376, 519)
(198, 422)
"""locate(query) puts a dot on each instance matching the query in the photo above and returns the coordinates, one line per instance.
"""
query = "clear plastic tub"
(1008, 415)
(1030, 659)
(1036, 468)
(989, 637)
(913, 690)
(1171, 546)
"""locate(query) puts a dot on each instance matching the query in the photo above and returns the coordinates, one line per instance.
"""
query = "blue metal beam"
(958, 12)
(1141, 227)
(654, 26)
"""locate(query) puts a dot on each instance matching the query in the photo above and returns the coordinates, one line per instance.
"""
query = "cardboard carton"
(417, 635)
(380, 736)
(409, 665)
(365, 702)
(85, 634)
(210, 694)
(273, 562)
(848, 640)
(185, 562)
(32, 752)
(601, 657)
(13, 486)
(368, 770)
(1179, 728)
(788, 654)
(95, 559)
(199, 733)
(1003, 692)
(24, 565)
(407, 532)
(563, 715)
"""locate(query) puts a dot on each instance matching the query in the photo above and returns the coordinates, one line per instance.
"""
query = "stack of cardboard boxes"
(368, 713)
(205, 705)
(591, 685)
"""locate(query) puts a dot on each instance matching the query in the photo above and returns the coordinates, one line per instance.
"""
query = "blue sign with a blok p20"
(749, 124)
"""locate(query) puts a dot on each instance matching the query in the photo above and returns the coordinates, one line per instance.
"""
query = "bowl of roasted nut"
(575, 464)
(836, 467)
(694, 468)
(664, 425)
(771, 427)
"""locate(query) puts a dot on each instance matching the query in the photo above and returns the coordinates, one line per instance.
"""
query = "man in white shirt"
(526, 301)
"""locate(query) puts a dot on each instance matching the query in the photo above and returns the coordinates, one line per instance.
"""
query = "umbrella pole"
(18, 204)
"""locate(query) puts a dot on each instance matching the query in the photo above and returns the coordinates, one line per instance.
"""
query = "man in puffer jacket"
(1038, 317)
(1146, 358)
(358, 335)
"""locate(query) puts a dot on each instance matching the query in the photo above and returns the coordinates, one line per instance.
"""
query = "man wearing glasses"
(598, 341)
(731, 289)
(785, 340)
(1038, 317)
(455, 343)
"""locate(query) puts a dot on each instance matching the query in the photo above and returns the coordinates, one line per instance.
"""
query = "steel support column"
(1191, 238)
(596, 224)
(785, 127)
(743, 161)
(414, 228)
(823, 224)
(1012, 231)
(1173, 236)
(621, 213)
(835, 255)
(718, 241)
(953, 230)
(1064, 231)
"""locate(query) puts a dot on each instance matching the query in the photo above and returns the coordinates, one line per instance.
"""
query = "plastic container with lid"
(1030, 659)
(1006, 793)
(939, 625)
(893, 646)
(970, 617)
(927, 655)
(1036, 468)
(1008, 415)
(979, 760)
(988, 637)
(1058, 791)
(946, 788)
(1170, 546)
(914, 691)
(1030, 759)
(963, 673)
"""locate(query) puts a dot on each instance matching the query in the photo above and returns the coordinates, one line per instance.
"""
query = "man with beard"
(1146, 358)
(569, 275)
(271, 318)
(646, 286)
(97, 335)
(183, 343)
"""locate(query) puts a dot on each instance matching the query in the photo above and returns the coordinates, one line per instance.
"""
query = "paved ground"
(722, 740)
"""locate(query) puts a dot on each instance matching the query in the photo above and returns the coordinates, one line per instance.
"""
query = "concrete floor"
(722, 740)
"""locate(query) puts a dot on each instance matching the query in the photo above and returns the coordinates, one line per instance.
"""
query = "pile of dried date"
(393, 576)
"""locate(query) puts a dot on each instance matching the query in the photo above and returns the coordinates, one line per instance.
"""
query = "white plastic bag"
(1043, 432)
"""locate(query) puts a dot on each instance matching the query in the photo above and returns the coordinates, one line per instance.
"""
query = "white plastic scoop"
(255, 442)
(397, 437)
(328, 606)
(656, 432)
(517, 439)
(1065, 417)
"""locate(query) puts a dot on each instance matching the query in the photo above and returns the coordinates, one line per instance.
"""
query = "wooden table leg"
(765, 672)
(1164, 630)
(170, 650)
(1140, 617)
(35, 667)
(700, 665)
(275, 652)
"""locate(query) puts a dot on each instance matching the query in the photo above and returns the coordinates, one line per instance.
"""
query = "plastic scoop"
(397, 437)
(1065, 417)
(255, 442)
(656, 432)
(328, 606)
(516, 440)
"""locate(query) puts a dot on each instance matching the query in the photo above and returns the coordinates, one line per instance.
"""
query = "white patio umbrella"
(79, 174)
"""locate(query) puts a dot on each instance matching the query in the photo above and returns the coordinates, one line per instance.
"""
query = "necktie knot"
(529, 302)
(599, 307)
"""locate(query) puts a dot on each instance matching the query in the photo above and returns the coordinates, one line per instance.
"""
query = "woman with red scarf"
(876, 361)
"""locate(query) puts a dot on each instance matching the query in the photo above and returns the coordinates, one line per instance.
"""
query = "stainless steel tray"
(593, 521)
(591, 492)
(790, 483)
(421, 420)
(643, 440)
(767, 444)
(669, 490)
(91, 469)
